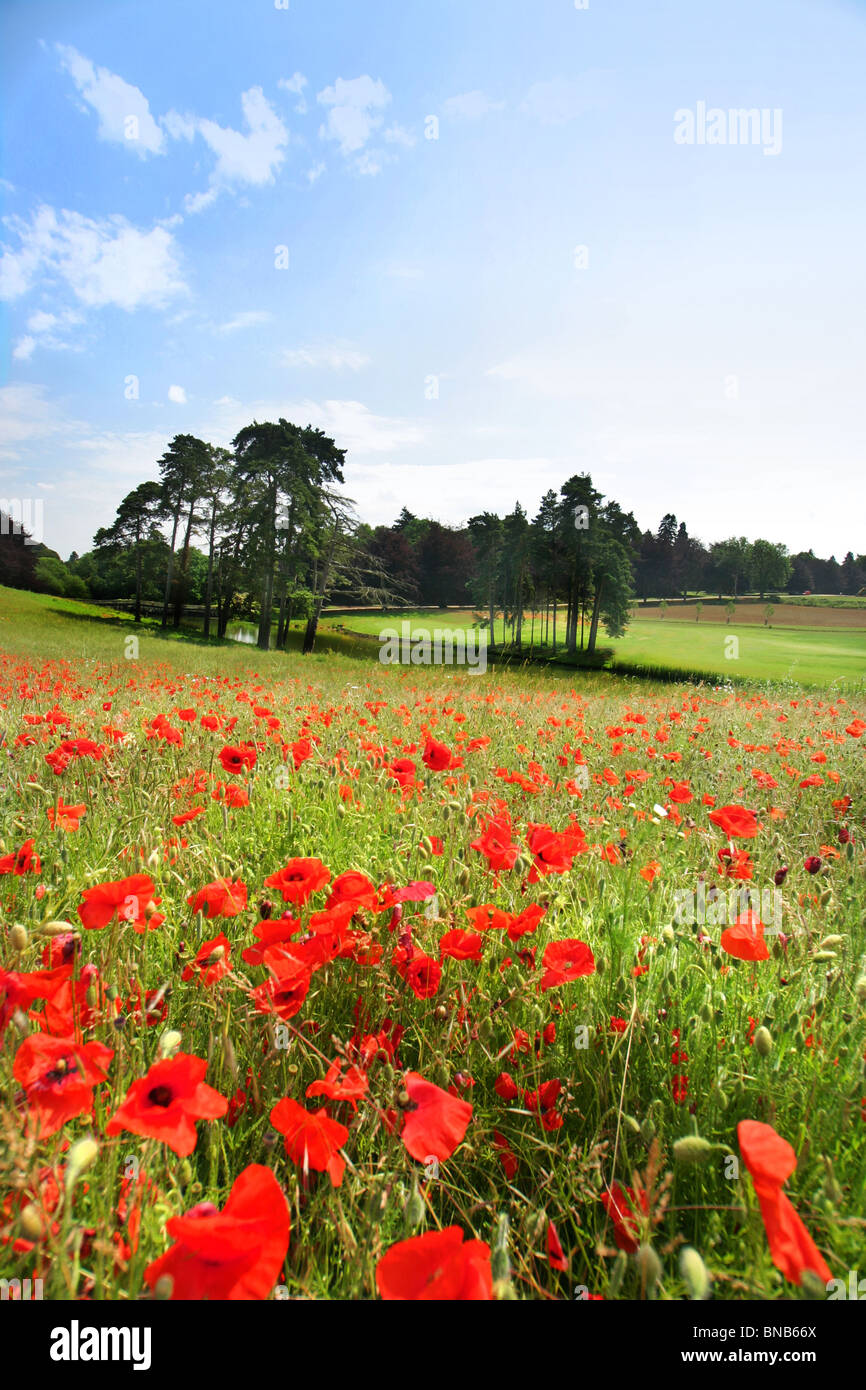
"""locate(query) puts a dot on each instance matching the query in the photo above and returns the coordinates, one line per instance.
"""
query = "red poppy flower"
(771, 1160)
(812, 863)
(222, 898)
(337, 1087)
(525, 922)
(402, 770)
(745, 939)
(435, 1120)
(312, 1138)
(495, 843)
(66, 817)
(438, 756)
(555, 1253)
(127, 899)
(165, 1103)
(421, 972)
(506, 1087)
(623, 1206)
(352, 888)
(235, 759)
(564, 961)
(299, 880)
(736, 822)
(438, 1265)
(212, 961)
(284, 993)
(23, 861)
(233, 1254)
(58, 1076)
(460, 945)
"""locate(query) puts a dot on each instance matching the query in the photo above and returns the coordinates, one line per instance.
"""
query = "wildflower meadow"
(322, 979)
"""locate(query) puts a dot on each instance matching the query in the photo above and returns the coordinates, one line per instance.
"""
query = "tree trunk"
(596, 609)
(208, 593)
(170, 570)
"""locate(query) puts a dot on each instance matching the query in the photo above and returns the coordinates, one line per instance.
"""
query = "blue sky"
(703, 354)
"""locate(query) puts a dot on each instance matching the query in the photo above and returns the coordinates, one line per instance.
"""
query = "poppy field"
(325, 980)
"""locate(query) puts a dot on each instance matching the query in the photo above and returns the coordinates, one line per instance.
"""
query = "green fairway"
(815, 656)
(811, 656)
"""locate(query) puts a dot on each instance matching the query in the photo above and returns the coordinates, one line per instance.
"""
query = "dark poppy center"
(160, 1095)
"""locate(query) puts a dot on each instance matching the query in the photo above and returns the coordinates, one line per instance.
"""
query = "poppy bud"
(92, 996)
(763, 1042)
(668, 934)
(403, 1100)
(80, 1157)
(265, 909)
(812, 863)
(19, 938)
(707, 1013)
(463, 877)
(168, 1044)
(414, 1209)
(860, 989)
(830, 942)
(650, 1266)
(163, 1288)
(30, 1222)
(824, 955)
(780, 875)
(185, 1173)
(55, 928)
(692, 1149)
(694, 1274)
(719, 1096)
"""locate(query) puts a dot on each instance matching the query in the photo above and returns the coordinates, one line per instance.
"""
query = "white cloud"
(102, 262)
(451, 492)
(253, 158)
(353, 426)
(177, 395)
(354, 114)
(469, 106)
(23, 349)
(249, 318)
(559, 101)
(316, 172)
(296, 84)
(398, 135)
(197, 202)
(369, 163)
(336, 356)
(123, 110)
(179, 127)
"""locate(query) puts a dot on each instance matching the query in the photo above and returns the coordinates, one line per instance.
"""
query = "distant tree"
(770, 566)
(137, 521)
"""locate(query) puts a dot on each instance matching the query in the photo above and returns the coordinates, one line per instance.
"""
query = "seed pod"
(694, 1273)
(19, 938)
(168, 1044)
(763, 1042)
(860, 989)
(830, 942)
(693, 1150)
(463, 877)
(649, 1264)
(163, 1288)
(414, 1210)
(80, 1157)
(30, 1222)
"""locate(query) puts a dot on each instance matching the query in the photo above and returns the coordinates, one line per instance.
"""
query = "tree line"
(258, 531)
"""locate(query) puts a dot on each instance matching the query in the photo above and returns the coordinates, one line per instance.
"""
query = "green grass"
(811, 656)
